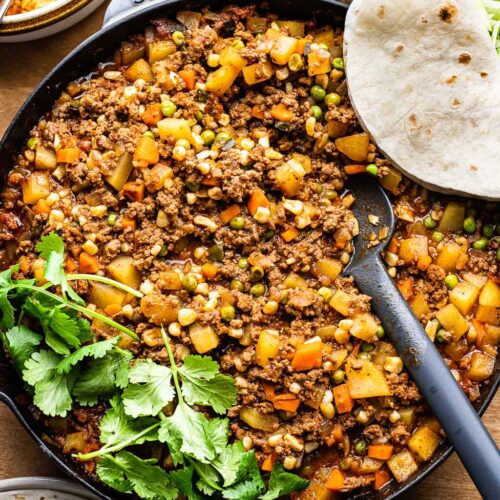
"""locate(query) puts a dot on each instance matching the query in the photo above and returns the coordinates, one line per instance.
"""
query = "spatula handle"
(462, 425)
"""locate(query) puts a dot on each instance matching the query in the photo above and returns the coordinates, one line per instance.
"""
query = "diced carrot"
(70, 265)
(405, 286)
(286, 402)
(188, 75)
(229, 213)
(67, 155)
(209, 270)
(308, 355)
(343, 400)
(355, 169)
(152, 115)
(112, 309)
(301, 45)
(258, 112)
(380, 451)
(290, 234)
(335, 480)
(381, 477)
(424, 261)
(24, 266)
(282, 113)
(42, 207)
(146, 150)
(126, 222)
(393, 246)
(258, 199)
(267, 464)
(478, 326)
(268, 391)
(338, 433)
(134, 190)
(88, 263)
(209, 181)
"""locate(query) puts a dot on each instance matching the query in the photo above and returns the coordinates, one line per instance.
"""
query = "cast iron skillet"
(81, 61)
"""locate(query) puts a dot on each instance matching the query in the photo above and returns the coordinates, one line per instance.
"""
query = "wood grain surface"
(21, 68)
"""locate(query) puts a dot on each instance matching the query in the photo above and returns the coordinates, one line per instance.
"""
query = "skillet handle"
(120, 8)
(462, 425)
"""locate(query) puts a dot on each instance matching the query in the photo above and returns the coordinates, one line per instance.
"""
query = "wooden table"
(22, 67)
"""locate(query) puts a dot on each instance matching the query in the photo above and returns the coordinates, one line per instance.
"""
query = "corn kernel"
(275, 440)
(310, 125)
(186, 316)
(294, 206)
(213, 60)
(327, 410)
(155, 249)
(147, 287)
(271, 307)
(341, 336)
(295, 388)
(294, 443)
(247, 443)
(393, 364)
(289, 463)
(262, 215)
(99, 210)
(174, 329)
(90, 247)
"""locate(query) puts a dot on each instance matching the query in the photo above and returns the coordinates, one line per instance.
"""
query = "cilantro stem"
(83, 310)
(107, 281)
(117, 447)
(173, 366)
(203, 476)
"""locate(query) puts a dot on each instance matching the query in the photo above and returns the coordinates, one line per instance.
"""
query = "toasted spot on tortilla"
(398, 49)
(455, 102)
(464, 58)
(451, 80)
(483, 74)
(447, 13)
(473, 168)
(381, 12)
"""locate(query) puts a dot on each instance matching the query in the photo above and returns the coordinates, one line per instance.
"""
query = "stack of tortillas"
(424, 79)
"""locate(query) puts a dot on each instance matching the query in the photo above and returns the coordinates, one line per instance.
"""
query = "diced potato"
(120, 174)
(293, 28)
(36, 187)
(487, 314)
(366, 380)
(304, 160)
(354, 146)
(130, 52)
(176, 128)
(402, 465)
(159, 50)
(230, 56)
(315, 491)
(381, 352)
(336, 129)
(453, 218)
(191, 20)
(338, 357)
(412, 249)
(267, 347)
(75, 442)
(204, 338)
(424, 442)
(257, 420)
(295, 281)
(170, 280)
(102, 329)
(491, 335)
(45, 159)
(122, 269)
(282, 49)
(370, 465)
(257, 24)
(257, 73)
(364, 327)
(481, 366)
(327, 270)
(288, 180)
(448, 256)
(475, 279)
(105, 295)
(452, 321)
(327, 37)
(220, 80)
(325, 332)
(490, 295)
(160, 309)
(341, 302)
(318, 62)
(139, 69)
(419, 305)
(155, 177)
(407, 416)
(391, 180)
(464, 297)
(431, 328)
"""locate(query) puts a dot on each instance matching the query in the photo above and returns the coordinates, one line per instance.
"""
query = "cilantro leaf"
(228, 461)
(21, 342)
(208, 478)
(118, 427)
(96, 350)
(185, 432)
(248, 484)
(246, 490)
(100, 378)
(41, 367)
(281, 483)
(183, 480)
(127, 472)
(149, 390)
(217, 431)
(202, 384)
(51, 248)
(6, 284)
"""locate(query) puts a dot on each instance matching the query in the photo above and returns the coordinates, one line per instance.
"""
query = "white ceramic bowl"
(48, 20)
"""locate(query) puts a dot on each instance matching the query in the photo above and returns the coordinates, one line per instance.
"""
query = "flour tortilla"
(424, 79)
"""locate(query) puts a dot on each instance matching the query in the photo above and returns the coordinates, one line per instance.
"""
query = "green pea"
(440, 336)
(338, 63)
(111, 219)
(149, 134)
(269, 235)
(178, 38)
(236, 285)
(216, 253)
(333, 98)
(326, 293)
(317, 92)
(295, 63)
(237, 222)
(317, 112)
(168, 108)
(380, 333)
(480, 244)
(258, 290)
(221, 138)
(318, 188)
(256, 273)
(372, 169)
(451, 281)
(198, 115)
(163, 251)
(331, 194)
(243, 263)
(429, 222)
(489, 230)
(339, 376)
(470, 225)
(365, 347)
(208, 137)
(193, 186)
(284, 297)
(361, 446)
(238, 44)
(365, 355)
(189, 282)
(325, 202)
(227, 313)
(32, 142)
(437, 236)
(346, 463)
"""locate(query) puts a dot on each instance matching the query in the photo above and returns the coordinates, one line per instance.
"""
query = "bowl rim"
(31, 14)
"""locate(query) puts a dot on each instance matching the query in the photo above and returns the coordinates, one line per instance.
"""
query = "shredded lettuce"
(492, 8)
